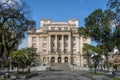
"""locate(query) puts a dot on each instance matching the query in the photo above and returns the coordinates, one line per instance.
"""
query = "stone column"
(69, 60)
(81, 51)
(69, 43)
(78, 51)
(49, 44)
(77, 44)
(29, 41)
(62, 59)
(62, 44)
(56, 44)
(56, 59)
(69, 49)
(37, 44)
(48, 61)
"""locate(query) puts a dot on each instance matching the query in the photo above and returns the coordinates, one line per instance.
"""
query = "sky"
(62, 10)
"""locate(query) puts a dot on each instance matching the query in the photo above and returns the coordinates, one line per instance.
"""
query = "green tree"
(87, 48)
(30, 56)
(98, 26)
(114, 6)
(14, 22)
(24, 58)
(17, 58)
(92, 53)
(104, 27)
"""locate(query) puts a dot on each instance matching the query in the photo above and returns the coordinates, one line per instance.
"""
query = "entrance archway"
(66, 60)
(59, 59)
(52, 60)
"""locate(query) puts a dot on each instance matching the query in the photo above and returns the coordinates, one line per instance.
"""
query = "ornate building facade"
(58, 42)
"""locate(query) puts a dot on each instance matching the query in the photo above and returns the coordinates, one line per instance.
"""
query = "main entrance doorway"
(59, 59)
(66, 60)
(52, 60)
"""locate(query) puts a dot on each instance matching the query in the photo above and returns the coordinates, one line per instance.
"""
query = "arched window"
(52, 60)
(66, 60)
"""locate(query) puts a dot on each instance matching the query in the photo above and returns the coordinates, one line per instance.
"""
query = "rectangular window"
(66, 44)
(84, 39)
(33, 39)
(44, 45)
(44, 50)
(52, 28)
(53, 44)
(74, 50)
(52, 39)
(44, 38)
(74, 45)
(59, 50)
(74, 38)
(59, 28)
(59, 38)
(73, 31)
(53, 51)
(66, 37)
(34, 45)
(33, 31)
(65, 50)
(66, 28)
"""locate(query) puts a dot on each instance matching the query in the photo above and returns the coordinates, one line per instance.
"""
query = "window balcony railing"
(59, 28)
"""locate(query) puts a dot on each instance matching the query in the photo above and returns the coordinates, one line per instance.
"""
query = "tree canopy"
(103, 26)
(23, 57)
(114, 5)
(14, 22)
(98, 25)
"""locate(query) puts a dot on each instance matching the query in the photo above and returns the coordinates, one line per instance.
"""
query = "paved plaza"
(60, 75)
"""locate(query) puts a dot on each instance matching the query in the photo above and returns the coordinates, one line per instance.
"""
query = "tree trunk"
(101, 67)
(95, 68)
(88, 60)
(29, 70)
(107, 63)
(22, 69)
(17, 70)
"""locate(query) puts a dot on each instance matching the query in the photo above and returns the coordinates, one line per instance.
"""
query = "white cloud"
(24, 44)
(10, 2)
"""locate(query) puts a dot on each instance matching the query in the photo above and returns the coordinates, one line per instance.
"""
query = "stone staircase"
(39, 68)
(60, 67)
(72, 67)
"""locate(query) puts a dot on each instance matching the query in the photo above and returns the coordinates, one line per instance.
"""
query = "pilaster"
(69, 44)
(49, 44)
(29, 41)
(77, 44)
(62, 44)
(56, 49)
(37, 44)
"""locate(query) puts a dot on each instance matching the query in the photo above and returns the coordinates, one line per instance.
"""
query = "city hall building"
(58, 42)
